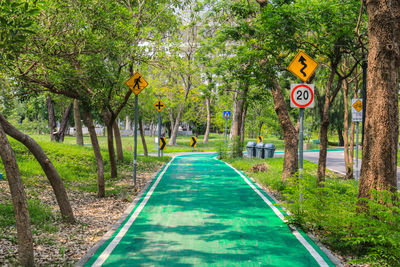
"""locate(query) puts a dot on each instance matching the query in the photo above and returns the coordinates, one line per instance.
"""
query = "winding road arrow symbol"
(302, 61)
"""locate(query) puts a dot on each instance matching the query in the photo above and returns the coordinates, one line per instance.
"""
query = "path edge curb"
(119, 222)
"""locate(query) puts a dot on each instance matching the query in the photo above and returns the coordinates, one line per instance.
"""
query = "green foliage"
(367, 230)
(235, 148)
(16, 19)
(221, 148)
(370, 234)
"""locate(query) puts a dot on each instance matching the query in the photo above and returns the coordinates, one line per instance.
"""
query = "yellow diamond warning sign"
(159, 105)
(136, 83)
(356, 110)
(303, 66)
(358, 105)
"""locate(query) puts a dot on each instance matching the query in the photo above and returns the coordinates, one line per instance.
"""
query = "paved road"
(200, 211)
(335, 162)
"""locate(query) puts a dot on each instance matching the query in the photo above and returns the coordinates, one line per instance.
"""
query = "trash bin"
(251, 149)
(1, 176)
(269, 150)
(260, 150)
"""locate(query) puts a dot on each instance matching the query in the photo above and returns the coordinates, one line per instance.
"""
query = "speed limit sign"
(302, 95)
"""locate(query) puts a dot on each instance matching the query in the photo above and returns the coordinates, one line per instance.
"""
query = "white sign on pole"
(356, 110)
(302, 95)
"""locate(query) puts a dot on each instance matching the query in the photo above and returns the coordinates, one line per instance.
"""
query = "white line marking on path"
(296, 233)
(106, 253)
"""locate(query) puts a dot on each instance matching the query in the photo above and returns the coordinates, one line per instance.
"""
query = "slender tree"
(78, 123)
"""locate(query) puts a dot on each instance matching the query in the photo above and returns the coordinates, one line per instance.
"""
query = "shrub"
(371, 233)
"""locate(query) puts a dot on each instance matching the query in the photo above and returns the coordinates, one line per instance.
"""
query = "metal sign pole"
(159, 132)
(301, 153)
(135, 139)
(357, 170)
(226, 129)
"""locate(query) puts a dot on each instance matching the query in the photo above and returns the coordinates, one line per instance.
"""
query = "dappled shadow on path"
(203, 213)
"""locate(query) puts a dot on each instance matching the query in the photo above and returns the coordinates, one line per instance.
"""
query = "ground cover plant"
(56, 242)
(368, 235)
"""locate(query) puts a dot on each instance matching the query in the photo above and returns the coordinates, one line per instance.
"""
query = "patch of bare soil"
(261, 167)
(65, 244)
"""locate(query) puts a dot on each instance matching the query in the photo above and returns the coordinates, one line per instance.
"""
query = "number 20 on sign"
(302, 95)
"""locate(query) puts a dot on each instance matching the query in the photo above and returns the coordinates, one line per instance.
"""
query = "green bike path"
(199, 211)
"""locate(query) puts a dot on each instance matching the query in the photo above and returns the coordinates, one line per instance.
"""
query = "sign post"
(159, 105)
(136, 83)
(226, 116)
(302, 96)
(357, 116)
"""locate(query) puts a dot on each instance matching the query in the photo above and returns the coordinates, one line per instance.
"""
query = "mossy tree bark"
(379, 165)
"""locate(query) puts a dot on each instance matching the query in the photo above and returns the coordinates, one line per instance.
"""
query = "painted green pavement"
(203, 212)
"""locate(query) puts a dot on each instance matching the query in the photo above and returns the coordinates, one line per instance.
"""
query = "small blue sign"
(227, 114)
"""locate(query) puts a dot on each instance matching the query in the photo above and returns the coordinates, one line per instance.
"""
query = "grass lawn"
(182, 143)
(77, 167)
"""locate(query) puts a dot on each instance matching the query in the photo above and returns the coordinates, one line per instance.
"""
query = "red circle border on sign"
(312, 95)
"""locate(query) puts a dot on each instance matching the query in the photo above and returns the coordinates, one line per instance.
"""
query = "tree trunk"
(111, 151)
(118, 142)
(347, 161)
(47, 166)
(87, 117)
(110, 142)
(352, 142)
(242, 127)
(260, 125)
(78, 124)
(127, 123)
(169, 130)
(379, 165)
(172, 120)
(207, 133)
(175, 129)
(325, 120)
(59, 135)
(340, 136)
(146, 153)
(24, 233)
(51, 116)
(290, 134)
(238, 109)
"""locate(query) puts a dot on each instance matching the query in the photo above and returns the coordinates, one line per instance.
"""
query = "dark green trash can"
(260, 150)
(269, 150)
(251, 149)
